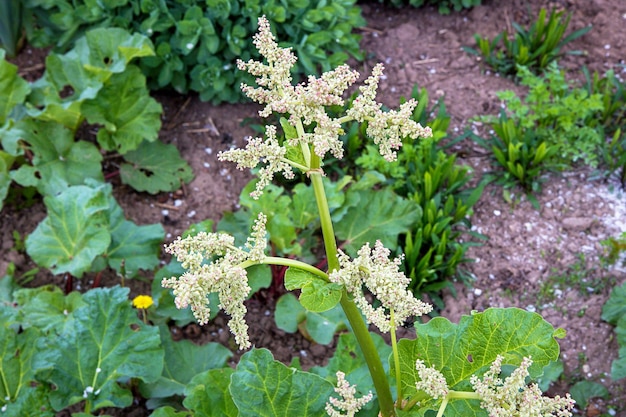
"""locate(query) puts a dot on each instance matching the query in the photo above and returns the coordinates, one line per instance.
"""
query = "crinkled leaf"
(13, 88)
(349, 360)
(74, 232)
(127, 112)
(183, 361)
(17, 350)
(58, 161)
(107, 337)
(262, 387)
(375, 215)
(208, 394)
(47, 308)
(583, 391)
(155, 167)
(32, 402)
(316, 294)
(135, 247)
(106, 51)
(470, 347)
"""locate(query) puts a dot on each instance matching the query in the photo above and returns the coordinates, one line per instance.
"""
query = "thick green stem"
(274, 260)
(396, 359)
(374, 363)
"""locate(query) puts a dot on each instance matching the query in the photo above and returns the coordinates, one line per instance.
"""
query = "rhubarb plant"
(478, 367)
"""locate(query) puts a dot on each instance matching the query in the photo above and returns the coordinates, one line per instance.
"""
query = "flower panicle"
(306, 104)
(383, 278)
(348, 405)
(226, 275)
(431, 381)
(513, 398)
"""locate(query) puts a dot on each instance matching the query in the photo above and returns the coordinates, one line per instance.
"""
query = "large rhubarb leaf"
(183, 361)
(263, 387)
(470, 347)
(132, 247)
(155, 167)
(75, 231)
(375, 215)
(127, 112)
(207, 394)
(106, 346)
(58, 161)
(18, 396)
(13, 88)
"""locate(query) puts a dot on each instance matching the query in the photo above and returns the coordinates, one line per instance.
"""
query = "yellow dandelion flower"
(142, 301)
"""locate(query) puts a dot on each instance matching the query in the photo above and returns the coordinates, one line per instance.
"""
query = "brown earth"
(545, 260)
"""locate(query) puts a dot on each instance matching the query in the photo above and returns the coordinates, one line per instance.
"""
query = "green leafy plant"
(523, 154)
(534, 48)
(197, 42)
(444, 6)
(450, 368)
(556, 114)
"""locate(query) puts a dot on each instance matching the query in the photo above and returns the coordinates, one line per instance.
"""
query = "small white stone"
(178, 203)
(206, 165)
(531, 308)
(189, 46)
(478, 292)
(209, 151)
(165, 212)
(497, 212)
(607, 46)
(191, 213)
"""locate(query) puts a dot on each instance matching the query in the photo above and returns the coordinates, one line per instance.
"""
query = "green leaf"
(375, 215)
(583, 391)
(107, 51)
(126, 110)
(132, 247)
(317, 295)
(6, 161)
(74, 233)
(289, 313)
(169, 412)
(183, 361)
(106, 345)
(615, 306)
(208, 394)
(459, 351)
(13, 88)
(155, 167)
(17, 351)
(263, 387)
(165, 309)
(47, 308)
(58, 161)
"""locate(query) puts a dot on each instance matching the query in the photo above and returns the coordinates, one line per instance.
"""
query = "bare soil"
(546, 260)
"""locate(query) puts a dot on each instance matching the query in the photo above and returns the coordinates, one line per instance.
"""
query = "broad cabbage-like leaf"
(375, 215)
(107, 345)
(126, 110)
(263, 387)
(183, 361)
(470, 347)
(207, 394)
(13, 88)
(58, 161)
(155, 167)
(74, 233)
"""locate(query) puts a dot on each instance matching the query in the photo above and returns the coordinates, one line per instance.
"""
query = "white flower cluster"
(382, 277)
(269, 151)
(348, 405)
(513, 398)
(306, 104)
(225, 275)
(432, 382)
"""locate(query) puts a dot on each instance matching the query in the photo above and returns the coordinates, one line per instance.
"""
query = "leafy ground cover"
(527, 249)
